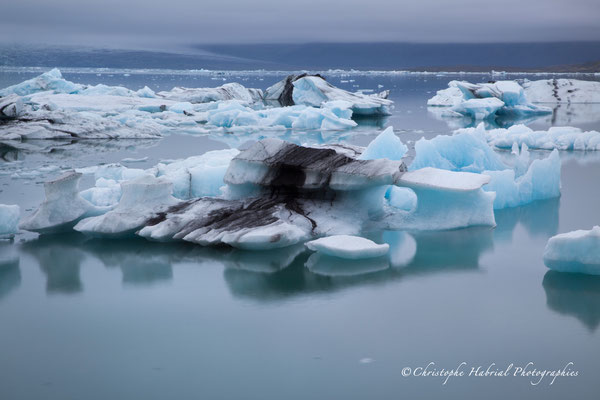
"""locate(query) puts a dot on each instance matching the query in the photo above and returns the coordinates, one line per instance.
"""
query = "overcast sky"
(124, 23)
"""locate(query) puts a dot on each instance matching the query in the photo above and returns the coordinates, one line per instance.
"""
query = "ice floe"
(467, 150)
(561, 138)
(350, 247)
(559, 91)
(51, 107)
(577, 251)
(9, 220)
(486, 100)
(275, 194)
(228, 91)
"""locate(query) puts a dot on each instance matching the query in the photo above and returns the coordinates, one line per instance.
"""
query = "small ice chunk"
(561, 138)
(134, 160)
(346, 246)
(385, 145)
(577, 251)
(9, 219)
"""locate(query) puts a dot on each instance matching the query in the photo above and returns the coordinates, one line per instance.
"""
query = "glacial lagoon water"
(118, 319)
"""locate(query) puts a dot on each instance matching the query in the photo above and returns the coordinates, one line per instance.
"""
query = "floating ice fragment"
(559, 91)
(577, 251)
(485, 100)
(561, 138)
(350, 247)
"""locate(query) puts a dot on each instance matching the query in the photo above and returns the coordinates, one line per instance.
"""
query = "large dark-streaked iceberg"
(275, 194)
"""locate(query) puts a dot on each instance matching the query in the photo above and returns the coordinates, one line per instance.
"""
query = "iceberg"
(577, 251)
(228, 91)
(276, 194)
(314, 90)
(234, 114)
(385, 145)
(9, 219)
(48, 81)
(50, 107)
(560, 91)
(561, 138)
(346, 246)
(486, 100)
(541, 181)
(468, 151)
(143, 198)
(62, 208)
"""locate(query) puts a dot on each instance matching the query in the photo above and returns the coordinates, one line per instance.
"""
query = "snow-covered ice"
(9, 220)
(346, 246)
(577, 251)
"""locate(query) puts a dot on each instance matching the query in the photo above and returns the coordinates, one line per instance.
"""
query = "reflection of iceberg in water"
(14, 150)
(436, 252)
(59, 257)
(539, 218)
(254, 261)
(500, 121)
(577, 295)
(562, 115)
(322, 264)
(10, 273)
(141, 262)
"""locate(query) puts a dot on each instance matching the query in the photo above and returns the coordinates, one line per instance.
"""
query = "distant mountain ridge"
(511, 57)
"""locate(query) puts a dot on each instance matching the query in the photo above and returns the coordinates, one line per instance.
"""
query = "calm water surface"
(121, 319)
